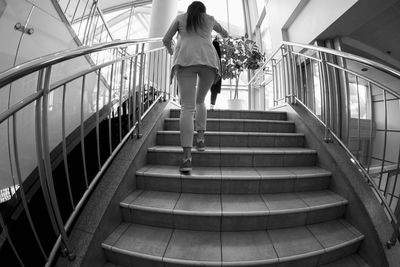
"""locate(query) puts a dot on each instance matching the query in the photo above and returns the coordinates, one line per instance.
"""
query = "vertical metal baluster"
(39, 155)
(331, 96)
(293, 77)
(371, 112)
(278, 81)
(110, 109)
(155, 73)
(48, 167)
(321, 90)
(120, 100)
(130, 93)
(8, 238)
(384, 140)
(301, 86)
(171, 84)
(98, 120)
(83, 133)
(76, 8)
(166, 83)
(64, 146)
(358, 121)
(141, 82)
(284, 71)
(134, 97)
(289, 75)
(274, 85)
(325, 99)
(306, 88)
(281, 80)
(158, 73)
(337, 98)
(314, 109)
(21, 188)
(296, 80)
(151, 54)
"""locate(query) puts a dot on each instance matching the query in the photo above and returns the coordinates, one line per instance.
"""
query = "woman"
(194, 58)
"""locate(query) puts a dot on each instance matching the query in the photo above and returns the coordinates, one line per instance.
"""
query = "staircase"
(255, 197)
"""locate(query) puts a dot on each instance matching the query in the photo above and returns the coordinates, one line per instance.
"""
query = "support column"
(162, 14)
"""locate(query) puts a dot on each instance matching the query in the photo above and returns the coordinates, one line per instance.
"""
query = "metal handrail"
(126, 86)
(289, 85)
(350, 56)
(34, 65)
(357, 163)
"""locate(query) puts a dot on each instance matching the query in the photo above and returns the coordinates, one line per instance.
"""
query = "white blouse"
(194, 47)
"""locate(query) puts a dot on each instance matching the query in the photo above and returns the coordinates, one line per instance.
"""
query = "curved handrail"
(287, 87)
(350, 56)
(125, 84)
(31, 66)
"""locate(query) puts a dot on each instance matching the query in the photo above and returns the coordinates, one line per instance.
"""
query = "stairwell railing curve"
(354, 99)
(62, 102)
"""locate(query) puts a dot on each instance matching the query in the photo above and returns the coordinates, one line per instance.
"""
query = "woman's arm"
(218, 28)
(167, 40)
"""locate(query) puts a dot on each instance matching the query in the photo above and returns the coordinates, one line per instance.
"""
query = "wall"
(278, 12)
(303, 20)
(50, 35)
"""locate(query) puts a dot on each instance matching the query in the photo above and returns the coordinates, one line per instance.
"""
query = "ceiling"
(113, 5)
(375, 24)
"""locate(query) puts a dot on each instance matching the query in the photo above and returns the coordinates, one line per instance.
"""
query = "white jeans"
(192, 100)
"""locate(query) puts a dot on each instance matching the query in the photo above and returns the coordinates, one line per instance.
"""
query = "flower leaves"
(238, 54)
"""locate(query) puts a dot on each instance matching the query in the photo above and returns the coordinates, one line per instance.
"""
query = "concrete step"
(228, 212)
(311, 245)
(238, 139)
(353, 260)
(235, 156)
(238, 114)
(232, 180)
(238, 125)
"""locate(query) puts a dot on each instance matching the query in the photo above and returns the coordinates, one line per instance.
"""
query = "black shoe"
(186, 165)
(200, 145)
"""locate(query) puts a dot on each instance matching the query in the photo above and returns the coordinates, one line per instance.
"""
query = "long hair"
(194, 15)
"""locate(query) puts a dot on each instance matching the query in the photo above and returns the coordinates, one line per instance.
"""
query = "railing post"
(134, 96)
(48, 169)
(285, 71)
(291, 74)
(274, 83)
(141, 78)
(326, 98)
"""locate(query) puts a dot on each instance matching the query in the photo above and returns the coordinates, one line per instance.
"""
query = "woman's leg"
(186, 78)
(206, 79)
